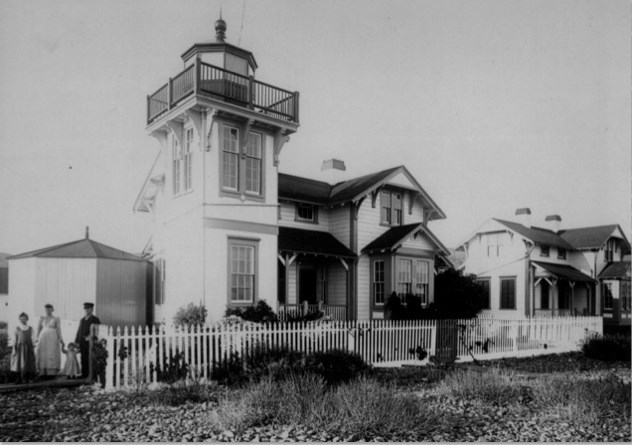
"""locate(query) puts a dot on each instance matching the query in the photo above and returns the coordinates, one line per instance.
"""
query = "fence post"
(109, 370)
(305, 308)
(433, 339)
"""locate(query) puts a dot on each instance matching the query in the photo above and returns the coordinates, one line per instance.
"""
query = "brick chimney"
(523, 216)
(334, 171)
(553, 222)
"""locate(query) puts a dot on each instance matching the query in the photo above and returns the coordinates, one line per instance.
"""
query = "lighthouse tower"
(212, 191)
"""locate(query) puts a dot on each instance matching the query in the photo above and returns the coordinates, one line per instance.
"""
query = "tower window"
(176, 156)
(186, 160)
(242, 171)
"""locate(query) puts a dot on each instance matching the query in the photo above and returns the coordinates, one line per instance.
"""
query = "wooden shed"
(67, 275)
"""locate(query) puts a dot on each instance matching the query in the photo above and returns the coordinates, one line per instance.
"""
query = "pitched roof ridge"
(36, 252)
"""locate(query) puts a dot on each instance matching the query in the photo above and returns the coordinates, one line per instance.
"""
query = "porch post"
(287, 278)
(571, 305)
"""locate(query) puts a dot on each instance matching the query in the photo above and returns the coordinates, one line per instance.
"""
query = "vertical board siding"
(138, 354)
(121, 291)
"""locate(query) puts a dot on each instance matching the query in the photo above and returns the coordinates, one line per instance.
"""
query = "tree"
(456, 296)
(191, 315)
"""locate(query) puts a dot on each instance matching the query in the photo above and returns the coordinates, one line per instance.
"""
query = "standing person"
(49, 344)
(23, 355)
(71, 368)
(83, 337)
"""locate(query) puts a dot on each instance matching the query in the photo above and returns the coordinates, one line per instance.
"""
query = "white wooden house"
(530, 270)
(68, 275)
(229, 230)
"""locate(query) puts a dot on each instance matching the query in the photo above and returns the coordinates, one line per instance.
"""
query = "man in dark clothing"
(83, 338)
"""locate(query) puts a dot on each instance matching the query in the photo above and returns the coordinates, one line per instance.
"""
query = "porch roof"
(312, 242)
(564, 271)
(393, 237)
(618, 269)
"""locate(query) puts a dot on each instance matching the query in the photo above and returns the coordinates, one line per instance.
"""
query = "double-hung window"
(391, 208)
(186, 159)
(404, 277)
(507, 293)
(230, 164)
(306, 213)
(242, 172)
(609, 250)
(242, 271)
(421, 281)
(378, 282)
(176, 162)
(561, 253)
(485, 284)
(607, 296)
(544, 250)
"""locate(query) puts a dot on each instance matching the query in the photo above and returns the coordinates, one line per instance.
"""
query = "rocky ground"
(91, 414)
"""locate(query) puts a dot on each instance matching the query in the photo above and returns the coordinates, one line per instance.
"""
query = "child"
(23, 355)
(71, 368)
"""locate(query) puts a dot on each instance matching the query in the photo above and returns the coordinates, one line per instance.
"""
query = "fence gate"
(447, 341)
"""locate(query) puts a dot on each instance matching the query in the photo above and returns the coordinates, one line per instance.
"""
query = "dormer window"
(306, 213)
(544, 251)
(391, 204)
(561, 253)
(609, 250)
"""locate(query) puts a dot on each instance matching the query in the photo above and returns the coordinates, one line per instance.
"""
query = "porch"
(313, 274)
(560, 290)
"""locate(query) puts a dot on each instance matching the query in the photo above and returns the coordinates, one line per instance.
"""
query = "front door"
(307, 285)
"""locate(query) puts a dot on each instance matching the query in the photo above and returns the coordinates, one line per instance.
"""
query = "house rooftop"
(618, 269)
(591, 237)
(537, 235)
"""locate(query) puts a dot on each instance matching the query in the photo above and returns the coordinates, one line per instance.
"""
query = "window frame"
(511, 279)
(408, 285)
(545, 250)
(609, 250)
(301, 205)
(251, 244)
(607, 295)
(488, 281)
(243, 157)
(375, 283)
(561, 253)
(418, 282)
(548, 295)
(187, 159)
(389, 214)
(176, 165)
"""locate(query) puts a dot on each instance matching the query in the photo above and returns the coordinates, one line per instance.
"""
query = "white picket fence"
(137, 355)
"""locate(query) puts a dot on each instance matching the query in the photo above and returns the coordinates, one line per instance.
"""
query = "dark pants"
(84, 348)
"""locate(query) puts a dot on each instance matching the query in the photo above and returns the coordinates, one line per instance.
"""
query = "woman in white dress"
(48, 351)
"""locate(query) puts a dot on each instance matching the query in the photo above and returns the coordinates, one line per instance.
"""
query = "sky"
(491, 104)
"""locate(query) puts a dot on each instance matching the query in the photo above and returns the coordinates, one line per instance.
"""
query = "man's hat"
(88, 305)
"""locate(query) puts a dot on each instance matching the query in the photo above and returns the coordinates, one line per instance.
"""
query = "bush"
(261, 313)
(335, 366)
(607, 347)
(491, 386)
(277, 362)
(310, 316)
(191, 315)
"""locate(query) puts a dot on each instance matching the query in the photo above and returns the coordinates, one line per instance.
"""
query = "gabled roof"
(303, 189)
(319, 192)
(618, 269)
(393, 237)
(83, 248)
(312, 242)
(591, 237)
(537, 235)
(564, 271)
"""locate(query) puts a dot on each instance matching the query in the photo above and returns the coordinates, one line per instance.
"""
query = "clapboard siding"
(364, 288)
(288, 218)
(292, 289)
(339, 224)
(337, 283)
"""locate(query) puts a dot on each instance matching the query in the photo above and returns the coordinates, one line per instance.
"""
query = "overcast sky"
(492, 105)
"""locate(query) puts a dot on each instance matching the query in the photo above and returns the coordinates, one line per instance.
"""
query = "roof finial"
(87, 232)
(220, 28)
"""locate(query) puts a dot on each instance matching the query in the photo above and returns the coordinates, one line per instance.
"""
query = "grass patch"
(585, 401)
(492, 385)
(362, 407)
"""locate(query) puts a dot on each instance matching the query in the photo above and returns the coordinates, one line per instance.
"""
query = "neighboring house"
(67, 275)
(4, 286)
(229, 230)
(531, 270)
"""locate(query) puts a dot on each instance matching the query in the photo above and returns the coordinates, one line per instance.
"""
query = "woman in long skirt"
(23, 355)
(49, 344)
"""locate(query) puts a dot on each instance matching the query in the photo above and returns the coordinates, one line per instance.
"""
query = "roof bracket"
(196, 118)
(280, 139)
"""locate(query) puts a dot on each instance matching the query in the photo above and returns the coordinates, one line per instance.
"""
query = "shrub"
(190, 315)
(310, 316)
(607, 347)
(175, 368)
(261, 313)
(277, 362)
(336, 365)
(490, 386)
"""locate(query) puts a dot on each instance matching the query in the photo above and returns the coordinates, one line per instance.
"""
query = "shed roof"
(312, 242)
(618, 269)
(83, 248)
(537, 235)
(564, 271)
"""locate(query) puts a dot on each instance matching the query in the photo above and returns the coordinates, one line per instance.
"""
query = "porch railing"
(209, 80)
(335, 311)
